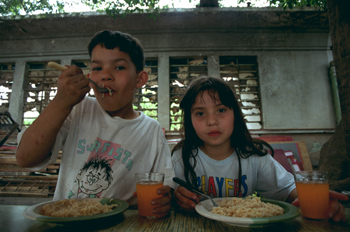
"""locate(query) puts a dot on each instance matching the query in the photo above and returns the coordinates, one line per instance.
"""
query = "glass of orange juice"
(313, 194)
(146, 189)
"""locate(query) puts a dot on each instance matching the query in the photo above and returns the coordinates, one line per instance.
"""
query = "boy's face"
(115, 70)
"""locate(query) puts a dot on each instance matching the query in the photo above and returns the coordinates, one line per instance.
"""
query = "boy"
(103, 139)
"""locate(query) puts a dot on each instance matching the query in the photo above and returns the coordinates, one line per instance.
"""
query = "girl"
(217, 154)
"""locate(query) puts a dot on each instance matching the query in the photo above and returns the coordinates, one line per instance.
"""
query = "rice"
(75, 208)
(249, 207)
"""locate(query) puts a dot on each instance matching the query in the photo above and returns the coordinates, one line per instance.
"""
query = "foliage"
(18, 7)
(116, 7)
(295, 3)
(125, 7)
(149, 108)
(28, 122)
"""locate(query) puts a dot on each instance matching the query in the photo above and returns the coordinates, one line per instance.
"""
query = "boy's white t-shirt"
(219, 178)
(101, 154)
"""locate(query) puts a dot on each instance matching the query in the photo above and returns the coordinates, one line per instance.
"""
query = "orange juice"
(146, 192)
(313, 198)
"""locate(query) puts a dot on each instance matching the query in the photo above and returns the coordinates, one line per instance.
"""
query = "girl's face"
(212, 121)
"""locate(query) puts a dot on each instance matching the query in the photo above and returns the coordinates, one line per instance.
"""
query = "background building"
(276, 61)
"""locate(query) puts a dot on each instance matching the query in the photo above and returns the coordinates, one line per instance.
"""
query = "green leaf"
(123, 7)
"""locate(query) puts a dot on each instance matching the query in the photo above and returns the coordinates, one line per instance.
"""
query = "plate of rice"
(68, 211)
(248, 211)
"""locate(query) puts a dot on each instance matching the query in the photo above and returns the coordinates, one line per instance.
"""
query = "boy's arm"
(292, 196)
(38, 139)
(335, 210)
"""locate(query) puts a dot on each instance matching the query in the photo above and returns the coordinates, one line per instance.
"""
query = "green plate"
(290, 212)
(32, 212)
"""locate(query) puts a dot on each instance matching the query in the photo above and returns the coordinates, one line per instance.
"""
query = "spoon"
(189, 187)
(62, 68)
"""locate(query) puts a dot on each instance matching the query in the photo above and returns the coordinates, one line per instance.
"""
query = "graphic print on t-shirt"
(94, 177)
(108, 149)
(96, 174)
(222, 187)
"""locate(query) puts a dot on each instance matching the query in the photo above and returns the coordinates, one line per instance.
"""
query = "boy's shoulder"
(143, 123)
(87, 102)
(148, 119)
(85, 107)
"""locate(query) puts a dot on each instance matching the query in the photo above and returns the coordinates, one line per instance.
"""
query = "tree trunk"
(339, 21)
(335, 160)
(209, 3)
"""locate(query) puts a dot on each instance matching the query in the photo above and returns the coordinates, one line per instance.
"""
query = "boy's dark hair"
(241, 139)
(125, 42)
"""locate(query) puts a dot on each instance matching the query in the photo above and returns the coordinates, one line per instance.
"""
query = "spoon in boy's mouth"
(62, 68)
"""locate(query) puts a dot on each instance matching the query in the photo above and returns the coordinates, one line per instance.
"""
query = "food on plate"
(75, 208)
(249, 207)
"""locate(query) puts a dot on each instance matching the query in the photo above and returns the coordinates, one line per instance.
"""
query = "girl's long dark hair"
(241, 139)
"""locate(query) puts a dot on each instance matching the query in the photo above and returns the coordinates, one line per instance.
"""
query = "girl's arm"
(186, 199)
(37, 141)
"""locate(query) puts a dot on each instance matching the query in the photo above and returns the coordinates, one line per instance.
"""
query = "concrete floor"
(23, 200)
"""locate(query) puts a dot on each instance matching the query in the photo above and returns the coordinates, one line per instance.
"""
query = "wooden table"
(12, 219)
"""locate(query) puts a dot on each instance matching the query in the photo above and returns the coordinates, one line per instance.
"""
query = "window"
(146, 98)
(40, 88)
(241, 73)
(6, 81)
(182, 71)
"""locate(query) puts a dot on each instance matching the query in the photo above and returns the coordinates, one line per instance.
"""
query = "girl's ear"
(142, 78)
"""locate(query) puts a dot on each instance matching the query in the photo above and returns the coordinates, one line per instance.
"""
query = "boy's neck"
(217, 152)
(131, 114)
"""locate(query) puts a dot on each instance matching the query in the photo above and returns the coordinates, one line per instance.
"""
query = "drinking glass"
(146, 188)
(313, 193)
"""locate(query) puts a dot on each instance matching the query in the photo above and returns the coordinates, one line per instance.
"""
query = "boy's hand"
(186, 199)
(72, 86)
(336, 211)
(164, 202)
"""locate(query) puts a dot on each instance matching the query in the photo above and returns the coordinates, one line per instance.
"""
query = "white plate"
(32, 212)
(290, 212)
